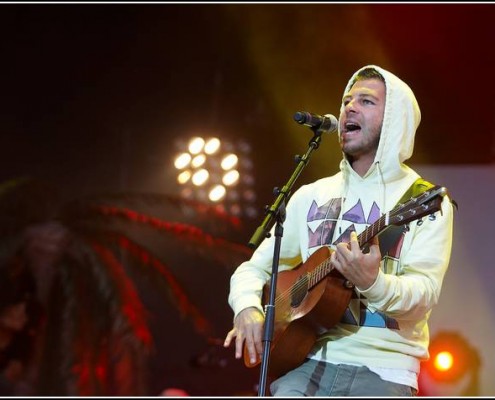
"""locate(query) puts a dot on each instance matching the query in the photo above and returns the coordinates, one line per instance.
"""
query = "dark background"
(93, 97)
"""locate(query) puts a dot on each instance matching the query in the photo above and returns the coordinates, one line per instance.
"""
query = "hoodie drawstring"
(381, 191)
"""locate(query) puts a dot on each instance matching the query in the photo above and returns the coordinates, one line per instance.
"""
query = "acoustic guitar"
(312, 297)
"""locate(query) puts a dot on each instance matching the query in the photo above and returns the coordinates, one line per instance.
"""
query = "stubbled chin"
(350, 135)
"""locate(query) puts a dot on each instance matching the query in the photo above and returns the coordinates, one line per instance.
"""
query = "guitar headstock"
(424, 204)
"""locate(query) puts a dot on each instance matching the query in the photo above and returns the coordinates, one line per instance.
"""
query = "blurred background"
(104, 98)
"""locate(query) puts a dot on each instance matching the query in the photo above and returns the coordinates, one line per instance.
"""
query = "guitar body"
(303, 312)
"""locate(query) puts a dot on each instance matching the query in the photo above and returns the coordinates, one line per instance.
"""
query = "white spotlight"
(229, 161)
(184, 176)
(196, 145)
(212, 146)
(217, 193)
(200, 177)
(198, 161)
(182, 160)
(231, 178)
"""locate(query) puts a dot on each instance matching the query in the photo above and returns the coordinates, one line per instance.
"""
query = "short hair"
(368, 73)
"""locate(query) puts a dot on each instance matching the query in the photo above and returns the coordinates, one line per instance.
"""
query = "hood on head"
(400, 121)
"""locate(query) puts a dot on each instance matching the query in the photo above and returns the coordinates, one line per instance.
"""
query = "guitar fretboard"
(374, 229)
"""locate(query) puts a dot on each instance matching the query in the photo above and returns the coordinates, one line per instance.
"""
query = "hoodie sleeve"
(248, 280)
(425, 257)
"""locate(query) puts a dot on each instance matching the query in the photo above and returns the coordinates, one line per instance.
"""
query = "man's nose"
(350, 106)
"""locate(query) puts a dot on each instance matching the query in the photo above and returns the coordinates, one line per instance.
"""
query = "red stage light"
(451, 357)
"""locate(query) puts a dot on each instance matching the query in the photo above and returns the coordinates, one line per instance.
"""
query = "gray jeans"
(315, 378)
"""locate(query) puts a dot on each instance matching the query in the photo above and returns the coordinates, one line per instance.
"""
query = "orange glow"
(443, 361)
(451, 357)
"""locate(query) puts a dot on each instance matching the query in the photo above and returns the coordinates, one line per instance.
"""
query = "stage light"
(450, 357)
(249, 195)
(182, 160)
(443, 361)
(187, 193)
(452, 361)
(184, 177)
(198, 161)
(231, 178)
(247, 179)
(235, 209)
(200, 177)
(217, 193)
(196, 145)
(233, 195)
(212, 146)
(251, 212)
(229, 161)
(221, 168)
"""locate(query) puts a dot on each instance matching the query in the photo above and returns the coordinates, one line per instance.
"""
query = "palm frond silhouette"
(84, 256)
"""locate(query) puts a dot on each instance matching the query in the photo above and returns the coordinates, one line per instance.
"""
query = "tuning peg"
(297, 158)
(276, 191)
(420, 222)
(432, 217)
(408, 228)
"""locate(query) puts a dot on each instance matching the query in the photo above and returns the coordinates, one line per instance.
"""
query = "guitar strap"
(389, 236)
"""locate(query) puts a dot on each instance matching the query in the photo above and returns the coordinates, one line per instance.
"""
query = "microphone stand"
(277, 212)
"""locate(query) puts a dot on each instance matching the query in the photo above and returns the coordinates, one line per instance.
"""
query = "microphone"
(326, 123)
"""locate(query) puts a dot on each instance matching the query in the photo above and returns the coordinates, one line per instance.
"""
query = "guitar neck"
(374, 229)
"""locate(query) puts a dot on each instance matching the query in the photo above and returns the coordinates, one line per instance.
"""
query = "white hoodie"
(384, 326)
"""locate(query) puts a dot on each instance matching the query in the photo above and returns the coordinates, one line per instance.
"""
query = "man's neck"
(362, 164)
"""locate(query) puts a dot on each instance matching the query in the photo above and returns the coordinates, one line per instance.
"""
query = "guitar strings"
(324, 268)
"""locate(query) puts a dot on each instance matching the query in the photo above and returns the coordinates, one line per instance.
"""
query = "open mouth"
(351, 128)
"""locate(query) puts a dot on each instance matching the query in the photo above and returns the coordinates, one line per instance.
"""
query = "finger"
(251, 348)
(354, 244)
(333, 256)
(343, 253)
(258, 341)
(340, 250)
(375, 247)
(335, 262)
(228, 338)
(239, 342)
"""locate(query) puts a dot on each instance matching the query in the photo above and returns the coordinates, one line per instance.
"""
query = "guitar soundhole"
(299, 291)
